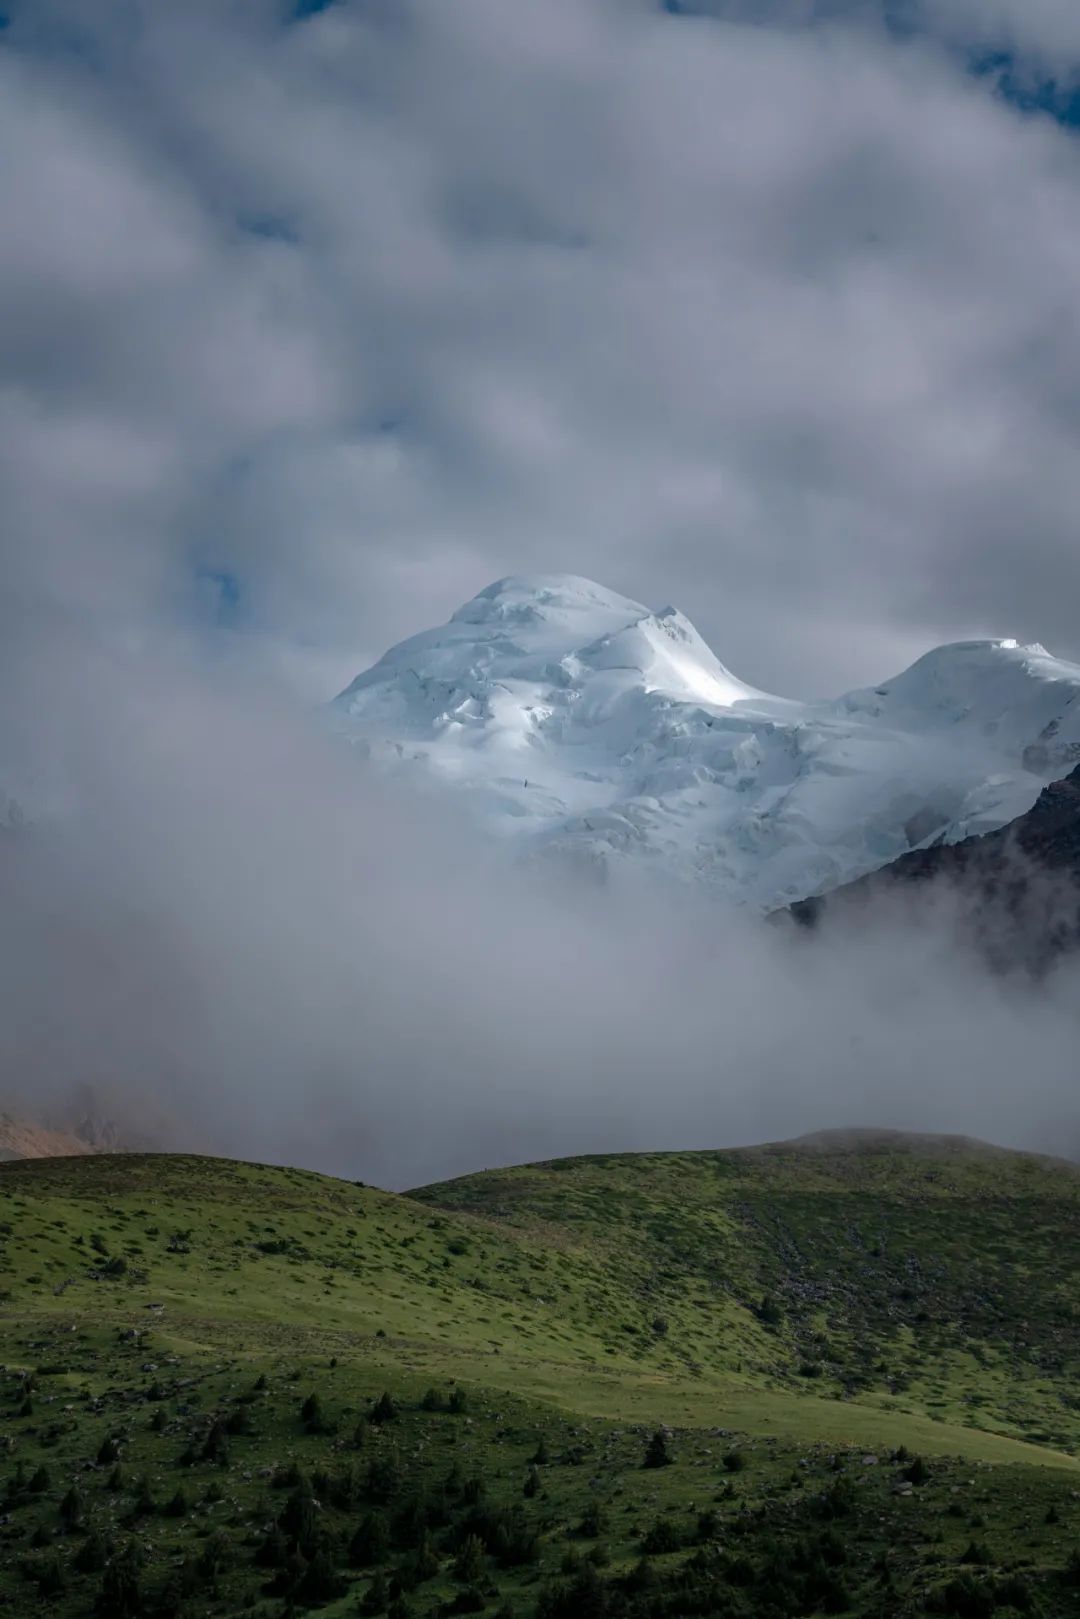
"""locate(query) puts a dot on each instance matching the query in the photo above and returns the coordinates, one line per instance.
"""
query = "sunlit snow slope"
(583, 724)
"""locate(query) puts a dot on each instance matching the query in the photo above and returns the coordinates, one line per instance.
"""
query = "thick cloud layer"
(315, 324)
(315, 320)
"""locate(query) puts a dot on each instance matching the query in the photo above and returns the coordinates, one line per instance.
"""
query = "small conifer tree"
(384, 1410)
(656, 1451)
(470, 1567)
(72, 1508)
(108, 1452)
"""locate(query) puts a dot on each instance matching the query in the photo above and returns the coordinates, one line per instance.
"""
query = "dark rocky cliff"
(1017, 890)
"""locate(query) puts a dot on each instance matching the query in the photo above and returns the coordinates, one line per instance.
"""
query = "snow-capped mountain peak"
(582, 723)
(521, 626)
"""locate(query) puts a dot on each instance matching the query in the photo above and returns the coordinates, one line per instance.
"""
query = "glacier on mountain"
(583, 725)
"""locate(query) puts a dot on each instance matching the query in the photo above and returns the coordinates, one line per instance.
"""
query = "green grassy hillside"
(930, 1276)
(862, 1355)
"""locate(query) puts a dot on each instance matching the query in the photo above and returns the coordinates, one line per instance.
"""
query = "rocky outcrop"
(1016, 891)
(24, 1138)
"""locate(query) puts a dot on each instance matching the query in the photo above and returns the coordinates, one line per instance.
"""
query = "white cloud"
(776, 322)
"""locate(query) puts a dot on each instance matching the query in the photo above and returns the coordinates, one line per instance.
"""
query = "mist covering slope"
(1016, 890)
(582, 724)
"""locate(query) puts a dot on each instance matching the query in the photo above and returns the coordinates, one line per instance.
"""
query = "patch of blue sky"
(218, 597)
(1021, 82)
(1017, 78)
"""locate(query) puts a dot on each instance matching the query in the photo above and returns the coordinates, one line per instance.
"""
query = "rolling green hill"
(862, 1352)
(909, 1275)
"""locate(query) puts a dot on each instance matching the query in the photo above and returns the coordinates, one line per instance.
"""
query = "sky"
(316, 319)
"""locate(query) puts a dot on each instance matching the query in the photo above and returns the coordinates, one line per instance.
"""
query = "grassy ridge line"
(927, 1281)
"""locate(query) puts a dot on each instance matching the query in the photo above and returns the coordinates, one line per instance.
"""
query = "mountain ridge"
(579, 724)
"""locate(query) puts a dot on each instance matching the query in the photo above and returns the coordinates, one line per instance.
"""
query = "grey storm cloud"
(771, 313)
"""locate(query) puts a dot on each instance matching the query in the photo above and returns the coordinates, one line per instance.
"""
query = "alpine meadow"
(828, 1376)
